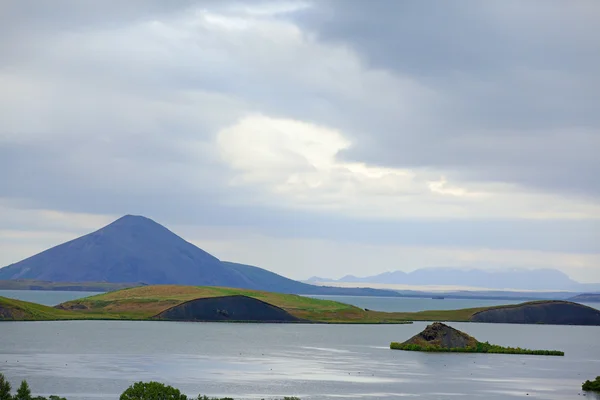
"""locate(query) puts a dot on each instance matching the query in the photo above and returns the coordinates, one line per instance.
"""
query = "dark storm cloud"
(517, 85)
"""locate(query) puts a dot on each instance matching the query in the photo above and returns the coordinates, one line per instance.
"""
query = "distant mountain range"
(137, 249)
(519, 279)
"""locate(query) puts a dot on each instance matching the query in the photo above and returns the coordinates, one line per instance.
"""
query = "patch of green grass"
(145, 302)
(18, 310)
(149, 301)
(480, 347)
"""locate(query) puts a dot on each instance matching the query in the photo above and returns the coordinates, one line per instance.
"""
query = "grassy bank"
(480, 347)
(144, 303)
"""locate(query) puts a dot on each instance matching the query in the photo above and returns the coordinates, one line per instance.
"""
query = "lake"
(99, 359)
(46, 297)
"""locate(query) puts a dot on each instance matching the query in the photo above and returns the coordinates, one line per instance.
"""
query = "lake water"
(46, 297)
(99, 359)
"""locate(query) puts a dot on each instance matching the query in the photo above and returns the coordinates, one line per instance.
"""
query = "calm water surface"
(99, 359)
(46, 297)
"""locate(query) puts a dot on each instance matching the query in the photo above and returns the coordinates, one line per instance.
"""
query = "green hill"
(151, 302)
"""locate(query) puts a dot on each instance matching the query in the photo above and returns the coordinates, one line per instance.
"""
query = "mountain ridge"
(514, 279)
(134, 248)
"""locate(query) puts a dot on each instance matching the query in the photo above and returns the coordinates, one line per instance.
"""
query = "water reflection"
(99, 359)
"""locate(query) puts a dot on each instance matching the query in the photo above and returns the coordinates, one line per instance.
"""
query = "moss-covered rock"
(439, 337)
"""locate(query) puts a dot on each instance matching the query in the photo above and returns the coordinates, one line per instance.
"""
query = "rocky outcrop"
(442, 335)
(11, 312)
(227, 308)
(441, 338)
(542, 312)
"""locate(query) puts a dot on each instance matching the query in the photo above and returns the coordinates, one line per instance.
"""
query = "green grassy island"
(193, 303)
(592, 386)
(439, 337)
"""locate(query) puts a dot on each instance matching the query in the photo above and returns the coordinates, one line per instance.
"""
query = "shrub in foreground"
(592, 386)
(137, 391)
(4, 389)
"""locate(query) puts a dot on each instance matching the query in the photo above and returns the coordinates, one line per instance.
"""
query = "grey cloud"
(500, 103)
(187, 211)
(516, 84)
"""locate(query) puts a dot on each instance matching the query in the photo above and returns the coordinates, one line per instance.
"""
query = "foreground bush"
(151, 391)
(593, 386)
(137, 391)
(479, 348)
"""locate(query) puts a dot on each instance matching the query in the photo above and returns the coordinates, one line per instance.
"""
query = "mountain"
(137, 249)
(131, 249)
(520, 279)
(261, 279)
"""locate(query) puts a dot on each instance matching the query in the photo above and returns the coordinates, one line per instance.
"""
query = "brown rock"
(442, 335)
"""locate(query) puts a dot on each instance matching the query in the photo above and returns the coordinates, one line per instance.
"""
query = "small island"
(439, 337)
(592, 386)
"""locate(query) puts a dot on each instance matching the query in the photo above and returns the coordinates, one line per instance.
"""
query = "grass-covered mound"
(18, 310)
(439, 337)
(234, 308)
(592, 386)
(150, 301)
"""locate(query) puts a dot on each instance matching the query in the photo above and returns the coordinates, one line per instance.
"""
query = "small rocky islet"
(439, 337)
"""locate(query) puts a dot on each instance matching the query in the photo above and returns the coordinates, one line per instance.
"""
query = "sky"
(309, 138)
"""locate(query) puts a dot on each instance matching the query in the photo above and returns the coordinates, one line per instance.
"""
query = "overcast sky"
(309, 138)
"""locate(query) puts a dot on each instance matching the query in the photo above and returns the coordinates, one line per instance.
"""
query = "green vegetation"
(146, 302)
(479, 347)
(5, 389)
(142, 303)
(23, 393)
(592, 386)
(18, 310)
(137, 391)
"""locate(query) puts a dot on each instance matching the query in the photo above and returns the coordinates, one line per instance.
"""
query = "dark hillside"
(227, 308)
(541, 312)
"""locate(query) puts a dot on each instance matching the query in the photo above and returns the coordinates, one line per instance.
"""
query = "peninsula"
(209, 303)
(439, 337)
